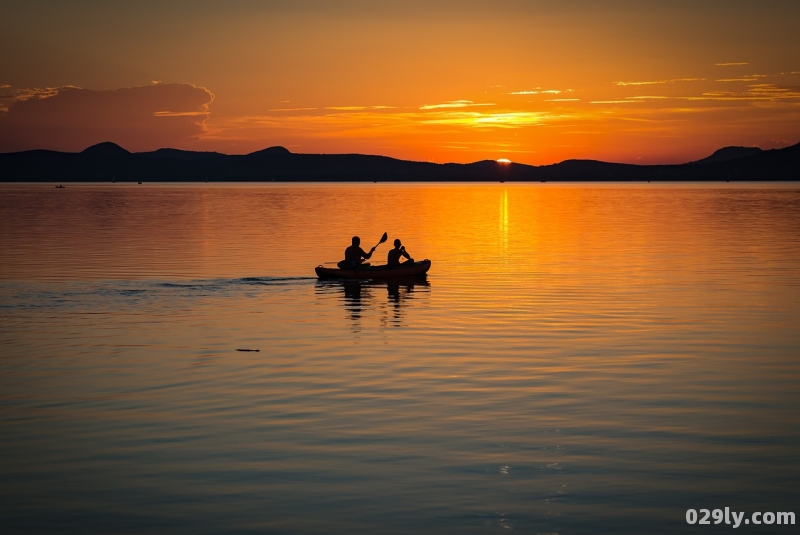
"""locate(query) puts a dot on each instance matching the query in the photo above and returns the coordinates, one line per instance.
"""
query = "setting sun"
(503, 160)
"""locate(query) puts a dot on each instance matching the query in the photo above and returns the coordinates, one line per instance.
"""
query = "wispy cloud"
(562, 100)
(180, 113)
(489, 120)
(4, 86)
(732, 64)
(455, 104)
(746, 78)
(539, 91)
(359, 108)
(655, 82)
(615, 101)
(755, 92)
(292, 109)
(648, 97)
(21, 95)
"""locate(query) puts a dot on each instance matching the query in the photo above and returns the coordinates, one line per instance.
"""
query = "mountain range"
(107, 162)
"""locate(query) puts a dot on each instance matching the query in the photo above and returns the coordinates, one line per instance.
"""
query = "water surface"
(581, 358)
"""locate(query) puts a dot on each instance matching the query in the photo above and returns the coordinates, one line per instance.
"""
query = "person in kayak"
(395, 254)
(354, 255)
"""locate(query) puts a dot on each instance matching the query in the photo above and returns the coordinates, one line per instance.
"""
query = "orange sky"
(532, 81)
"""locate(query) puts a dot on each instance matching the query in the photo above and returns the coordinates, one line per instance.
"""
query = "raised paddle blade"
(383, 239)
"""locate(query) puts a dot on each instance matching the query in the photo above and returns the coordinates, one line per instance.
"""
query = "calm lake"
(580, 359)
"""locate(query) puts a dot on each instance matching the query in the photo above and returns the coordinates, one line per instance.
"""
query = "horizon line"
(510, 162)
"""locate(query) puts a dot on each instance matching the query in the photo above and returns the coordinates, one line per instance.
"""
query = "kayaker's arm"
(369, 254)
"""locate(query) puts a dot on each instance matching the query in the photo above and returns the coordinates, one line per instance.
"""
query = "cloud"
(181, 114)
(755, 92)
(454, 104)
(539, 91)
(359, 108)
(292, 109)
(71, 118)
(746, 78)
(671, 81)
(615, 101)
(35, 92)
(21, 95)
(489, 120)
(732, 64)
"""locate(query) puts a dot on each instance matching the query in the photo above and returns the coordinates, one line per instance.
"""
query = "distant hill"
(730, 153)
(107, 162)
(180, 154)
(105, 150)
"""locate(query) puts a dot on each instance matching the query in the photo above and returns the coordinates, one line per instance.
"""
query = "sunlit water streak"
(585, 359)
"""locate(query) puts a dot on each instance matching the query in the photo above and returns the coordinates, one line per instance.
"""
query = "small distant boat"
(60, 186)
(414, 269)
(140, 182)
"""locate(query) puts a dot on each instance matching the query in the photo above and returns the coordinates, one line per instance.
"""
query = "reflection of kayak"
(375, 272)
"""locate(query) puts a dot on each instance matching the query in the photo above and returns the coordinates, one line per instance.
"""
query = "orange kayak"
(375, 272)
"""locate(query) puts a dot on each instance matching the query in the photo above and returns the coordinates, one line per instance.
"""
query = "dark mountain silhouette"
(272, 151)
(179, 154)
(730, 153)
(106, 149)
(107, 161)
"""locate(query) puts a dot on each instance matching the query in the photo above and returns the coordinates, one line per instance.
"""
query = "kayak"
(413, 269)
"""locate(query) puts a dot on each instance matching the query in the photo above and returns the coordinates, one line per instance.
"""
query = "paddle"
(383, 239)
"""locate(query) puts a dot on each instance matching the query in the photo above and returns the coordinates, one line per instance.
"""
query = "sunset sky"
(533, 81)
